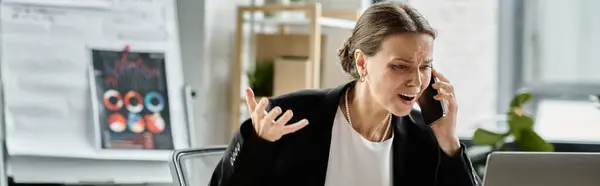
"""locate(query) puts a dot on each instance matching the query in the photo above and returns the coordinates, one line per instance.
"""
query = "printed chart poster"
(132, 95)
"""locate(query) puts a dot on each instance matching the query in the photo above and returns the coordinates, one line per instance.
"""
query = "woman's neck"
(368, 117)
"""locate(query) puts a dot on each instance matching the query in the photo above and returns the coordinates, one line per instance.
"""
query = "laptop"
(542, 168)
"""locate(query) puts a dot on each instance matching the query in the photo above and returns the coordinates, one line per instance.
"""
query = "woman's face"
(399, 72)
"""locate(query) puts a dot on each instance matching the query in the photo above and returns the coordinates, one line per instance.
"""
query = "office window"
(565, 41)
(466, 52)
(562, 67)
(568, 121)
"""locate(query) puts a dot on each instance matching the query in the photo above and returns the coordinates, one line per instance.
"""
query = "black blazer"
(301, 158)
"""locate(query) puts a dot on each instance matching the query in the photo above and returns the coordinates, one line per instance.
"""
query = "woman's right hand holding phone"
(264, 122)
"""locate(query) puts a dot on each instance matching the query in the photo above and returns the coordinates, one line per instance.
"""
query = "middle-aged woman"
(365, 132)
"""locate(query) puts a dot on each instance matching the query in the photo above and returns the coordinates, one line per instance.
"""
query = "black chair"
(194, 166)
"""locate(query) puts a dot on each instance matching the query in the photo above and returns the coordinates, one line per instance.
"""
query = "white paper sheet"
(126, 22)
(65, 3)
(45, 61)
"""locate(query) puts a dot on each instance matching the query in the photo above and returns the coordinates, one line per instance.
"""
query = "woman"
(364, 132)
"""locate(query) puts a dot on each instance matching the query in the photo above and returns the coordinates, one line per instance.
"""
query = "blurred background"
(100, 92)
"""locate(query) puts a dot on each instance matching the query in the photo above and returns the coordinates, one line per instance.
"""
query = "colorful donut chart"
(110, 105)
(136, 123)
(116, 123)
(154, 107)
(155, 123)
(139, 105)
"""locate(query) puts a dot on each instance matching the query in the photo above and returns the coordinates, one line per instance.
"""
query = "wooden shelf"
(325, 21)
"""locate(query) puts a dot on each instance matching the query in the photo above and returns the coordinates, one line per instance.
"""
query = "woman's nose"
(414, 80)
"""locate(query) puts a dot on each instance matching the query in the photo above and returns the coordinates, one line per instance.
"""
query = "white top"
(356, 161)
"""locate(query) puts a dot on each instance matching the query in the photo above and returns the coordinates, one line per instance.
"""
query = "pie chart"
(112, 100)
(134, 102)
(136, 123)
(154, 102)
(155, 123)
(116, 122)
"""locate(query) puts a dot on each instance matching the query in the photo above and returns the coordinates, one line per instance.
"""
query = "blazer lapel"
(330, 105)
(414, 158)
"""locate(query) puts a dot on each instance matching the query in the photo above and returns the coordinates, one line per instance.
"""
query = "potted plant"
(520, 129)
(261, 78)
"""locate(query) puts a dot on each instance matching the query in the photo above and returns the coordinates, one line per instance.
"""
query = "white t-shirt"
(356, 161)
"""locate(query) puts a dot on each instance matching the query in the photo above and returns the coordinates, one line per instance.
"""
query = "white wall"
(332, 73)
(207, 42)
(466, 52)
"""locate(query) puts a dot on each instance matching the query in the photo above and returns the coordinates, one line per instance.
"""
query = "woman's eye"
(400, 67)
(426, 67)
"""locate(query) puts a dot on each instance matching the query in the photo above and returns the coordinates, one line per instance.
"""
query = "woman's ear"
(360, 62)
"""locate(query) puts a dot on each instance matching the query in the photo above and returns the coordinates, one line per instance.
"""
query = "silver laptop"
(543, 169)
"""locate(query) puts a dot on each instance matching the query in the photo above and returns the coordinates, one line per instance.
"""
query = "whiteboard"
(45, 63)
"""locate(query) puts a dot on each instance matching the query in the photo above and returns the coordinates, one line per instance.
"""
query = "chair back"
(194, 166)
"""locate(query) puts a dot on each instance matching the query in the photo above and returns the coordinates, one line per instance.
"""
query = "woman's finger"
(250, 100)
(295, 127)
(251, 103)
(270, 117)
(260, 108)
(447, 98)
(445, 86)
(257, 115)
(284, 118)
(440, 76)
(445, 95)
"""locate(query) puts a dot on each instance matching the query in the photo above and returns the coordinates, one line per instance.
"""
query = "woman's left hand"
(444, 128)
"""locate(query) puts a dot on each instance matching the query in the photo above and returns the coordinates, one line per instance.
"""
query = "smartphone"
(431, 109)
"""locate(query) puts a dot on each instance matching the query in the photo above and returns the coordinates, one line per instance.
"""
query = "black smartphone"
(431, 109)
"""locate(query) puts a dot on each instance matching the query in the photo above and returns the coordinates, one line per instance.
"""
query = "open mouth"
(407, 97)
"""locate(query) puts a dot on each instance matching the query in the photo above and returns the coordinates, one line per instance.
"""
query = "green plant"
(520, 127)
(261, 78)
